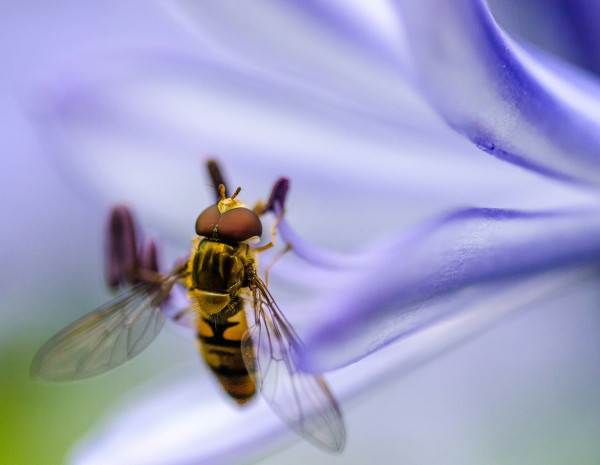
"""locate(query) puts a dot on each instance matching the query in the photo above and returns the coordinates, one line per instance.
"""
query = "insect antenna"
(237, 191)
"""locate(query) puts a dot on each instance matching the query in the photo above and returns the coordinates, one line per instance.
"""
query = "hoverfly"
(221, 277)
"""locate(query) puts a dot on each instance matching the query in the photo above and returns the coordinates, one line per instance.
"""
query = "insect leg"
(273, 234)
(274, 260)
(259, 208)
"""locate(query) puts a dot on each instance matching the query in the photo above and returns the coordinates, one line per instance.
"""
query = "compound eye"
(207, 220)
(239, 224)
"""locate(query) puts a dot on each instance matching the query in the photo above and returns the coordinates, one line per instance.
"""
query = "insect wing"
(302, 400)
(103, 339)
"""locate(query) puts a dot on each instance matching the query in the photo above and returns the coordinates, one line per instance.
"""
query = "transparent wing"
(105, 338)
(302, 400)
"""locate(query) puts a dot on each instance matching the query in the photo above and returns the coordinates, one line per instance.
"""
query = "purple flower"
(412, 239)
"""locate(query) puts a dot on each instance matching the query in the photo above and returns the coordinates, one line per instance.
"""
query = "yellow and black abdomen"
(215, 282)
(220, 347)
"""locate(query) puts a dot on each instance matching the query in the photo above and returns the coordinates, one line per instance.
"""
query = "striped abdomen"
(217, 273)
(221, 348)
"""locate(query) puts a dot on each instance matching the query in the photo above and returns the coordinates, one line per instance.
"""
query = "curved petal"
(347, 53)
(585, 17)
(507, 100)
(138, 127)
(566, 28)
(406, 284)
(184, 421)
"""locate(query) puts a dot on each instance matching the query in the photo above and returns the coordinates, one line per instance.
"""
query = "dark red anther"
(148, 256)
(121, 248)
(216, 177)
(278, 195)
(239, 225)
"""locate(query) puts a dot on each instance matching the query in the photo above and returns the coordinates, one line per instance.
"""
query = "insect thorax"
(218, 272)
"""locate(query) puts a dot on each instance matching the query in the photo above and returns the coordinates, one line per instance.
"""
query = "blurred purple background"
(524, 393)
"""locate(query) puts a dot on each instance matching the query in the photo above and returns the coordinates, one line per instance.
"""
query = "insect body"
(221, 319)
(220, 277)
(221, 267)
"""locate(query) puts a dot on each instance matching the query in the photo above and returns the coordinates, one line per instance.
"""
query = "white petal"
(183, 423)
(336, 52)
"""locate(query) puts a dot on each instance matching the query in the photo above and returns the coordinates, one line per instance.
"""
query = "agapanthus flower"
(384, 116)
